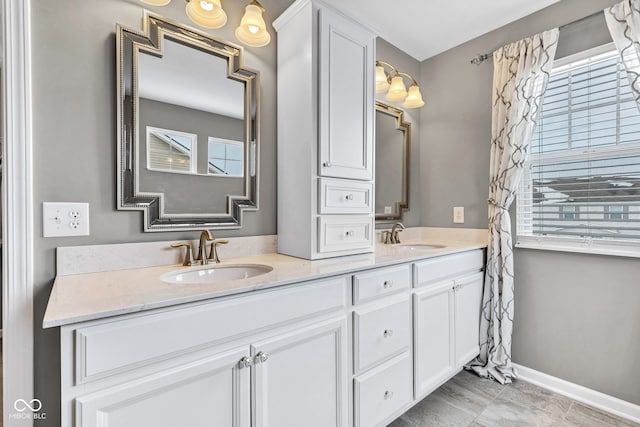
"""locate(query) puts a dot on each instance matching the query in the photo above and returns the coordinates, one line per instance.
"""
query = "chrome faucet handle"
(187, 256)
(213, 251)
(386, 237)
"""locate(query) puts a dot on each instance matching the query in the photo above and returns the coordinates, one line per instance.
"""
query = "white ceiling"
(424, 28)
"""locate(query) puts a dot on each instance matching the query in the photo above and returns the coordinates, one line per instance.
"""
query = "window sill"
(623, 249)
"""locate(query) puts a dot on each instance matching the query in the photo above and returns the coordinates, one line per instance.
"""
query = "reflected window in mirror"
(393, 140)
(171, 151)
(226, 157)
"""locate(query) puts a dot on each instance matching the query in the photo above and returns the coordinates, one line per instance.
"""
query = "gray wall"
(576, 316)
(388, 53)
(74, 107)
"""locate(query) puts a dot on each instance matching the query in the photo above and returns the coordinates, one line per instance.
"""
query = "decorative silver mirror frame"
(129, 43)
(405, 127)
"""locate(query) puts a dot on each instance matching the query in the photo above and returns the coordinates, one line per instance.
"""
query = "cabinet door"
(468, 302)
(434, 358)
(210, 391)
(346, 98)
(302, 378)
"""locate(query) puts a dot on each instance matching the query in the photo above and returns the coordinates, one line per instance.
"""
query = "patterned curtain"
(623, 20)
(520, 75)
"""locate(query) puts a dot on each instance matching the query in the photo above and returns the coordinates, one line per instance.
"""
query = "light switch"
(458, 215)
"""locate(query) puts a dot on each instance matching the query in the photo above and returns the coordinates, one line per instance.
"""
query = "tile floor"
(468, 400)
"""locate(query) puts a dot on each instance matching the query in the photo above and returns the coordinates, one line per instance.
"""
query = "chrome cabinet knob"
(387, 284)
(388, 395)
(388, 333)
(348, 197)
(246, 362)
(327, 164)
(262, 357)
(349, 234)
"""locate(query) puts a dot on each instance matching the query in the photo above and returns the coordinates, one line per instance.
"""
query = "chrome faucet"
(393, 236)
(205, 237)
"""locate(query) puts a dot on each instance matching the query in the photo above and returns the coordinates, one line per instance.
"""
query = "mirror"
(393, 141)
(187, 128)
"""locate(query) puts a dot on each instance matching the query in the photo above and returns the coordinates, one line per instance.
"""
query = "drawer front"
(446, 267)
(343, 233)
(345, 197)
(380, 333)
(380, 282)
(108, 348)
(383, 392)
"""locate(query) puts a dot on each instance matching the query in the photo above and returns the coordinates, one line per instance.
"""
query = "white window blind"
(581, 186)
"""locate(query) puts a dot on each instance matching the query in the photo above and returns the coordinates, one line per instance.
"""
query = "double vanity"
(267, 339)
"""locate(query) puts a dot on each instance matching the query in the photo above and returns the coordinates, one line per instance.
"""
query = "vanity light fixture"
(393, 84)
(206, 13)
(252, 30)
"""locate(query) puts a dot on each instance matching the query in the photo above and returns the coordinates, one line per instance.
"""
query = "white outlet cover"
(61, 219)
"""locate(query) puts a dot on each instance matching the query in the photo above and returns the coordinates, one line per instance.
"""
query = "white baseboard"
(582, 394)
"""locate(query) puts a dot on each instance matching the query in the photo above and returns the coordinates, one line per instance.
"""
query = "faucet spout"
(205, 237)
(395, 232)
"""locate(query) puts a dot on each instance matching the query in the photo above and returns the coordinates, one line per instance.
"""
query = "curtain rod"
(480, 58)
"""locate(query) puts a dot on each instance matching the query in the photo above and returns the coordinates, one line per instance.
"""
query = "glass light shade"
(414, 98)
(206, 13)
(397, 90)
(156, 2)
(382, 84)
(252, 30)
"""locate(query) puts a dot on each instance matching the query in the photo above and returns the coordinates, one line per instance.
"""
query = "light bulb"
(206, 13)
(414, 98)
(253, 30)
(397, 90)
(382, 82)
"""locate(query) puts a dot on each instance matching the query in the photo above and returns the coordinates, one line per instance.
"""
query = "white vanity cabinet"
(325, 133)
(274, 357)
(353, 350)
(382, 335)
(446, 314)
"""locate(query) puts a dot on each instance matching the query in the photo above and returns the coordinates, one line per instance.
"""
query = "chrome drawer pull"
(348, 197)
(388, 333)
(262, 357)
(246, 362)
(387, 284)
(327, 164)
(388, 395)
(349, 234)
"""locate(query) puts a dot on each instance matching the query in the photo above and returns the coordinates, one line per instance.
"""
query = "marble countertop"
(89, 296)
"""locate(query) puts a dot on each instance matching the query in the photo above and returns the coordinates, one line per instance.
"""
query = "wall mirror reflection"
(187, 138)
(393, 141)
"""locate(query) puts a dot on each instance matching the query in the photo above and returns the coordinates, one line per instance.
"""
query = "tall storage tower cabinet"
(325, 133)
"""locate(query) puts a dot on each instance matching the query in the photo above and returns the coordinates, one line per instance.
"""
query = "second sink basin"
(217, 273)
(421, 246)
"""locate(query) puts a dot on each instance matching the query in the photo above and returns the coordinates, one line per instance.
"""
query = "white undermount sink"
(216, 273)
(420, 246)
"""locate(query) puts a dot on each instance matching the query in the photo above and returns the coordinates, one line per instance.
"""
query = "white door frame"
(17, 218)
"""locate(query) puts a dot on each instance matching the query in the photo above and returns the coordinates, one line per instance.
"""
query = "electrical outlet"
(458, 215)
(65, 219)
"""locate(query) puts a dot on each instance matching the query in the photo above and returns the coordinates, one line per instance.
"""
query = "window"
(581, 185)
(226, 157)
(171, 151)
(568, 212)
